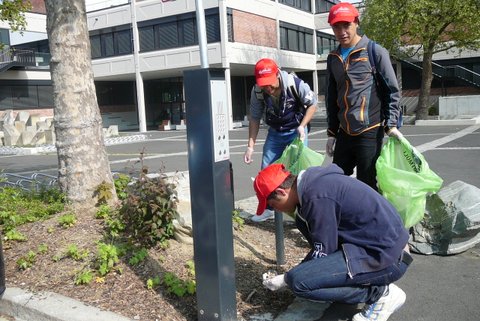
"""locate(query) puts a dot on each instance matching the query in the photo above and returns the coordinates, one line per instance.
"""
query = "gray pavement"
(439, 288)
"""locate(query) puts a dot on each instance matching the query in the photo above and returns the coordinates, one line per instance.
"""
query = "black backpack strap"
(259, 93)
(372, 59)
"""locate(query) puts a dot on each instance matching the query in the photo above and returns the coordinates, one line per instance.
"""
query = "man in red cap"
(361, 104)
(357, 238)
(286, 111)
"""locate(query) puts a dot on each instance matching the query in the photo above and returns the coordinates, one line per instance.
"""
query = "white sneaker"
(391, 301)
(266, 215)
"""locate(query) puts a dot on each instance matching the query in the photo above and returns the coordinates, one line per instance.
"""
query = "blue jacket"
(338, 212)
(289, 114)
(353, 101)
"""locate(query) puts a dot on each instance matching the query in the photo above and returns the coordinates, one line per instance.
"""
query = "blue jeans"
(275, 144)
(326, 279)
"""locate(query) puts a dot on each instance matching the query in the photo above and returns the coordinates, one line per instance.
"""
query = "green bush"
(149, 210)
(433, 110)
(121, 181)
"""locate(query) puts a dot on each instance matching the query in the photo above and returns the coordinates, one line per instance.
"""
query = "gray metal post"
(142, 118)
(279, 238)
(202, 33)
(211, 193)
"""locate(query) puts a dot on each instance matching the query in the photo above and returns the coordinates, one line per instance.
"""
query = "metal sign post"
(211, 193)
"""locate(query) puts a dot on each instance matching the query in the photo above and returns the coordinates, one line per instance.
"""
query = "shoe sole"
(397, 304)
(263, 219)
(258, 218)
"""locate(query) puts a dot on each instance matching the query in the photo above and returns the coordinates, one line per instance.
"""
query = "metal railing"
(36, 181)
(464, 74)
(10, 57)
(455, 71)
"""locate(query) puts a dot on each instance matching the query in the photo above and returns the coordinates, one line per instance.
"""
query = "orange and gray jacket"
(353, 101)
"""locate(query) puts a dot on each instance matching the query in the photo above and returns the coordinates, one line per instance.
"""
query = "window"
(4, 36)
(21, 95)
(296, 38)
(96, 47)
(212, 24)
(115, 93)
(111, 42)
(45, 96)
(147, 40)
(5, 97)
(230, 24)
(188, 32)
(177, 31)
(325, 43)
(167, 35)
(322, 6)
(123, 42)
(304, 5)
(107, 44)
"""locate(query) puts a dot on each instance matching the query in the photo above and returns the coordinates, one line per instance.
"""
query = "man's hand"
(330, 148)
(394, 132)
(301, 132)
(274, 283)
(248, 157)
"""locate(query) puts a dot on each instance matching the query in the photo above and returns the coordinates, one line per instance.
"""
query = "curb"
(109, 141)
(448, 122)
(49, 306)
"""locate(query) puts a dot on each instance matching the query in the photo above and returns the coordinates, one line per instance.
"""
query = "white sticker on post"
(220, 120)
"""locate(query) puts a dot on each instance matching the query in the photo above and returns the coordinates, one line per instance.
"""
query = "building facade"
(140, 49)
(238, 33)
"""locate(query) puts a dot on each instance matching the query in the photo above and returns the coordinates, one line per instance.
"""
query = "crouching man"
(357, 239)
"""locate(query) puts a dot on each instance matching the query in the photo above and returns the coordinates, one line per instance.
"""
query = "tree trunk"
(82, 158)
(424, 97)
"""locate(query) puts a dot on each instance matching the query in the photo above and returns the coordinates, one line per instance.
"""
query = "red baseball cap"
(267, 180)
(266, 72)
(342, 12)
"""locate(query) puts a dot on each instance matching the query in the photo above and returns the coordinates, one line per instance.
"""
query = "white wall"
(36, 29)
(101, 4)
(459, 106)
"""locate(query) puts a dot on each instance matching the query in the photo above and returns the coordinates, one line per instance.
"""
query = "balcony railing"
(11, 57)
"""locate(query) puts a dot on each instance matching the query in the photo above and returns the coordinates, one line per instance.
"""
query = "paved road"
(438, 288)
(451, 151)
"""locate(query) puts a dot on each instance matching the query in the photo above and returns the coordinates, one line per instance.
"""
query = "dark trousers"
(361, 151)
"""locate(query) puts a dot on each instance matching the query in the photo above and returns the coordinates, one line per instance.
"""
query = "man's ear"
(281, 191)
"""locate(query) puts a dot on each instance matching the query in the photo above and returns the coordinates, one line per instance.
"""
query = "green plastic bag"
(404, 178)
(297, 157)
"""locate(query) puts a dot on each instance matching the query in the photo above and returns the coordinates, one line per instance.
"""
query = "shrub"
(149, 210)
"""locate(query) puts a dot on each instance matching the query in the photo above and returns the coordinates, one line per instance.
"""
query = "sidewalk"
(20, 305)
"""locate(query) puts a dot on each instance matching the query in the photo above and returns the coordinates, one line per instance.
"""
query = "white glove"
(330, 148)
(394, 132)
(301, 132)
(248, 155)
(274, 283)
